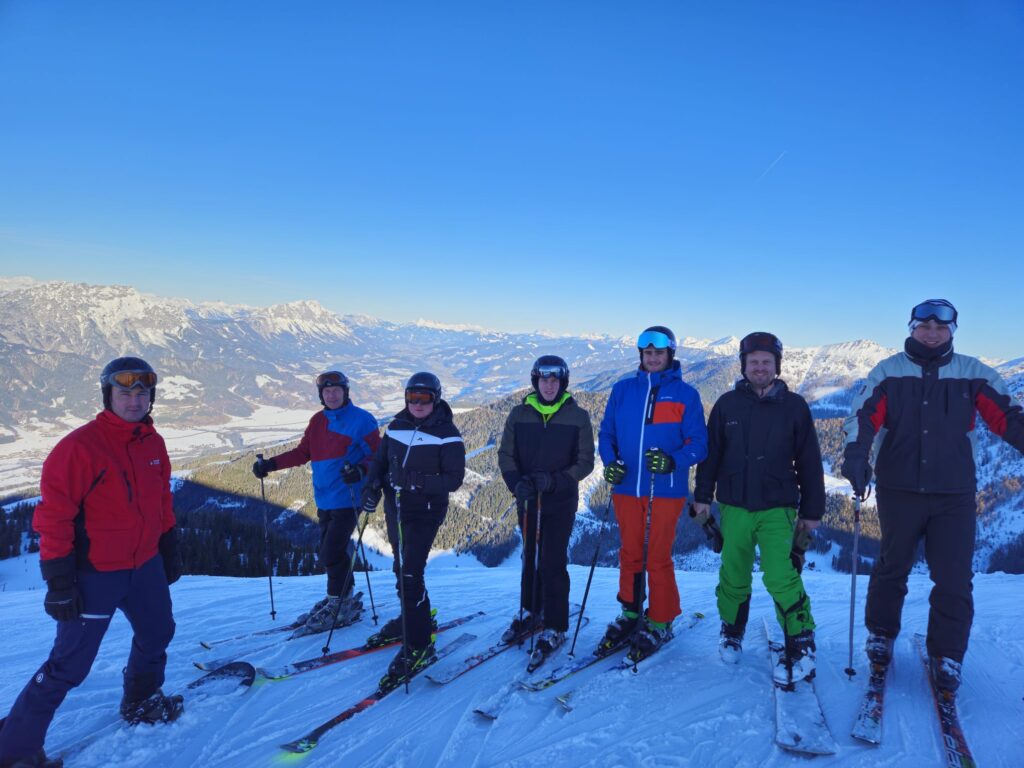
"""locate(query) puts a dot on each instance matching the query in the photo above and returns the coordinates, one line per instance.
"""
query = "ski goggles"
(760, 341)
(655, 339)
(331, 379)
(938, 310)
(419, 397)
(133, 379)
(550, 372)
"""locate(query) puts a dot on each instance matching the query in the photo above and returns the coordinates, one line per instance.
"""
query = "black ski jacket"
(762, 453)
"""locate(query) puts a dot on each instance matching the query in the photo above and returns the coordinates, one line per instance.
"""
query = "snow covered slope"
(684, 708)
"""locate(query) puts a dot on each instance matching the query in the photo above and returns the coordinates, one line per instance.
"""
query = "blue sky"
(812, 168)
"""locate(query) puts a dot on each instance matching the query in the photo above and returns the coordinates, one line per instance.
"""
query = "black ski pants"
(336, 526)
(414, 540)
(946, 522)
(548, 593)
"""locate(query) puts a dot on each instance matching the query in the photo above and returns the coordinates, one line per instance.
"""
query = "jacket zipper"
(648, 407)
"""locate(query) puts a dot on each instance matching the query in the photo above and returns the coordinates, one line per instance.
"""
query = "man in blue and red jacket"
(106, 541)
(652, 432)
(339, 441)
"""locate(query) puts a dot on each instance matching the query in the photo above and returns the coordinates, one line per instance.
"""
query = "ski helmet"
(424, 382)
(127, 373)
(550, 365)
(659, 337)
(939, 310)
(761, 341)
(331, 378)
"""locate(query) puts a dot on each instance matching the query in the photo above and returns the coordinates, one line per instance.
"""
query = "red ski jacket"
(106, 495)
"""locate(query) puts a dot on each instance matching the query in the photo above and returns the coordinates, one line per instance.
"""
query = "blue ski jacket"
(654, 410)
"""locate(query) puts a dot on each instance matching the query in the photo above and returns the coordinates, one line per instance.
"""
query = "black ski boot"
(648, 639)
(618, 632)
(154, 709)
(797, 663)
(879, 649)
(945, 672)
(520, 628)
(548, 642)
(398, 672)
(38, 760)
(391, 632)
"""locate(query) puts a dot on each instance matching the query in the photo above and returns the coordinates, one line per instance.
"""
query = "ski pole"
(266, 543)
(536, 575)
(522, 567)
(590, 577)
(643, 565)
(401, 585)
(850, 671)
(351, 565)
(362, 551)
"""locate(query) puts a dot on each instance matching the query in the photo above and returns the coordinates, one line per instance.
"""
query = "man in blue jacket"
(652, 432)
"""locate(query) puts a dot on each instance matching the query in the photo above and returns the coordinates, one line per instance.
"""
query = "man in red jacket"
(106, 541)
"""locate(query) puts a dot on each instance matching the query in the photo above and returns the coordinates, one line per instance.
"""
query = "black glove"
(263, 467)
(371, 498)
(63, 602)
(351, 474)
(171, 556)
(544, 482)
(525, 489)
(711, 529)
(615, 473)
(857, 470)
(659, 462)
(801, 541)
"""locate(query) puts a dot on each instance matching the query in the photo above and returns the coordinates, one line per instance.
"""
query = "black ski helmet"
(546, 365)
(424, 382)
(659, 337)
(761, 341)
(127, 365)
(331, 378)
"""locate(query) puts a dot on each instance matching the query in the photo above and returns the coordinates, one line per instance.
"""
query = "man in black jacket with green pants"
(765, 465)
(546, 449)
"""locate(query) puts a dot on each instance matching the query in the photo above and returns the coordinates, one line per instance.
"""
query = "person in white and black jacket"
(421, 459)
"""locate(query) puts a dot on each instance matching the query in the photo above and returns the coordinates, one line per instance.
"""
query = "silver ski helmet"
(127, 373)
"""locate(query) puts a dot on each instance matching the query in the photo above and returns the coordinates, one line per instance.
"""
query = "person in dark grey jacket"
(923, 403)
(547, 447)
(764, 465)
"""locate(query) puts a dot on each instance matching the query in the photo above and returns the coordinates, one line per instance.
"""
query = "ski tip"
(206, 645)
(298, 747)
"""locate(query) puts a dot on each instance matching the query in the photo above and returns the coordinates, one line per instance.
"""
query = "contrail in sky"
(774, 163)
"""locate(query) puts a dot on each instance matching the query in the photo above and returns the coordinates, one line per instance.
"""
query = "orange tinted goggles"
(132, 379)
(418, 398)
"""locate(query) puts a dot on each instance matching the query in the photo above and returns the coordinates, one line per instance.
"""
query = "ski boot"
(302, 618)
(618, 632)
(156, 708)
(797, 663)
(945, 673)
(398, 672)
(730, 644)
(38, 760)
(341, 610)
(879, 649)
(520, 628)
(391, 632)
(549, 641)
(648, 639)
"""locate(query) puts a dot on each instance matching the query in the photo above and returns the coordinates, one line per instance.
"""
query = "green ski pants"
(771, 530)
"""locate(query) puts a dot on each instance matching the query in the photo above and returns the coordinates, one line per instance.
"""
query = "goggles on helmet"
(331, 379)
(418, 397)
(550, 372)
(133, 379)
(655, 339)
(939, 310)
(760, 342)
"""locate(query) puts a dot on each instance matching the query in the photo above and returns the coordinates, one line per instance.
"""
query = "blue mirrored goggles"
(550, 372)
(939, 310)
(655, 339)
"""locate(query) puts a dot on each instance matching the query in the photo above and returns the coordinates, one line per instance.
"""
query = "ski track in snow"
(683, 708)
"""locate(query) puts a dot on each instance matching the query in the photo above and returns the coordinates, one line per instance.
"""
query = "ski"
(954, 742)
(491, 707)
(868, 725)
(457, 670)
(295, 626)
(319, 662)
(800, 724)
(565, 699)
(311, 739)
(232, 678)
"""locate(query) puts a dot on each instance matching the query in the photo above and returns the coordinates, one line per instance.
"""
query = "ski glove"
(857, 470)
(525, 489)
(615, 473)
(801, 541)
(544, 482)
(351, 474)
(711, 529)
(171, 556)
(659, 462)
(370, 500)
(63, 602)
(263, 467)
